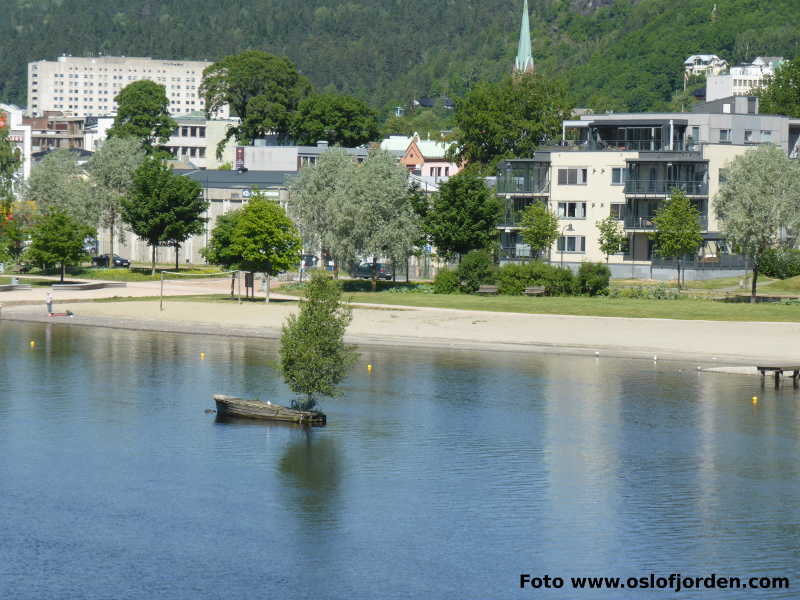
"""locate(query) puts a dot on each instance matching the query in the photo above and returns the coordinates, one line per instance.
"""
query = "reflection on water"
(440, 475)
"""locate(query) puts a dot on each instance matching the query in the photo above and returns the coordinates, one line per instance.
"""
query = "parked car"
(102, 261)
(364, 271)
(309, 261)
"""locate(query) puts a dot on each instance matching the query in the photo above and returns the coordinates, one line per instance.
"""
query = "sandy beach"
(738, 343)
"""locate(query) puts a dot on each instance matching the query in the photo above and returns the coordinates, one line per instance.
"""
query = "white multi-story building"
(626, 166)
(742, 80)
(704, 64)
(83, 86)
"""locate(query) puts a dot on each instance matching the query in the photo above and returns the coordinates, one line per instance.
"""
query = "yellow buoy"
(755, 399)
(369, 368)
(202, 356)
(33, 344)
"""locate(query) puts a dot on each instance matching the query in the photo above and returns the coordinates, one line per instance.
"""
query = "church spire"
(524, 62)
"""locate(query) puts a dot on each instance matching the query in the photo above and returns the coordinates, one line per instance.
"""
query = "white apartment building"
(626, 166)
(743, 79)
(84, 86)
(704, 64)
(195, 140)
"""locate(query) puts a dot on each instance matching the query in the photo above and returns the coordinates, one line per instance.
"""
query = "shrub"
(781, 263)
(593, 278)
(659, 291)
(476, 268)
(446, 282)
(512, 279)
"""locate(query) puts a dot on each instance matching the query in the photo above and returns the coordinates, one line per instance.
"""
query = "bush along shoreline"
(477, 269)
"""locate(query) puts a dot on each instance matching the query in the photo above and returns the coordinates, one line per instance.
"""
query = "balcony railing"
(623, 146)
(649, 224)
(520, 185)
(665, 187)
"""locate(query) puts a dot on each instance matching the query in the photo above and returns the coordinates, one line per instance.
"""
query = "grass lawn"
(28, 280)
(140, 274)
(790, 285)
(684, 308)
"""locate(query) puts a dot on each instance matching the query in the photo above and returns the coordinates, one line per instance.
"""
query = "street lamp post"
(567, 227)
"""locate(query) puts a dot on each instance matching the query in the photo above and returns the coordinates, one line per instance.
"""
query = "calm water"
(441, 475)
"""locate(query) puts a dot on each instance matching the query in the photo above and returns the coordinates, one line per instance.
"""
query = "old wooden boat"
(256, 409)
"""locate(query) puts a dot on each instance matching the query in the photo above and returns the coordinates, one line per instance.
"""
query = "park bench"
(487, 290)
(534, 291)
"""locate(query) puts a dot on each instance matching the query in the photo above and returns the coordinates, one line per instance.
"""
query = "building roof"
(396, 143)
(215, 178)
(432, 148)
(706, 58)
(80, 153)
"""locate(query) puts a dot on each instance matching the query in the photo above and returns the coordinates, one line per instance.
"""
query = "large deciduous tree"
(462, 216)
(261, 89)
(509, 119)
(143, 114)
(59, 239)
(314, 357)
(59, 184)
(781, 94)
(758, 205)
(111, 169)
(311, 196)
(539, 228)
(162, 206)
(264, 239)
(340, 120)
(678, 231)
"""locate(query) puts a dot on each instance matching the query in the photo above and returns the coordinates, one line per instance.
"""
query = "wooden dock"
(778, 371)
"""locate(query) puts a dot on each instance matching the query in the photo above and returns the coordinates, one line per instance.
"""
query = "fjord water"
(443, 474)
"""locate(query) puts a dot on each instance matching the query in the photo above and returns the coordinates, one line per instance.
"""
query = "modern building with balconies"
(627, 166)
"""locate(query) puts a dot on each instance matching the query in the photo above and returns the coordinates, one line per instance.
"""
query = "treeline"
(626, 54)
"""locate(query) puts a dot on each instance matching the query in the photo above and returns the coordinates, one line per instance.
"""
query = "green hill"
(617, 54)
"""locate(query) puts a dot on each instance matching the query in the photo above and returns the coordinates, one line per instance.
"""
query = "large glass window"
(617, 176)
(572, 177)
(572, 243)
(572, 210)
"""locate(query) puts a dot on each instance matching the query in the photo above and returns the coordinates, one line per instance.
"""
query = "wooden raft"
(255, 409)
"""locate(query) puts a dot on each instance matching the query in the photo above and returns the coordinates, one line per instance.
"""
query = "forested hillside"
(614, 54)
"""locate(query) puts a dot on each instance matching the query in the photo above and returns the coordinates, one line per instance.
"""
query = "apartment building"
(742, 80)
(54, 131)
(288, 158)
(196, 138)
(427, 158)
(83, 86)
(626, 166)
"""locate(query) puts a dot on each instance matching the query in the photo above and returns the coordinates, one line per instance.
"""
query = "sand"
(714, 342)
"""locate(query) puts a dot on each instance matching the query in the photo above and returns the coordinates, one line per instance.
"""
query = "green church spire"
(524, 62)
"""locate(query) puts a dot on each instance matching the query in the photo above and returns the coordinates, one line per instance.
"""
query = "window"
(617, 176)
(766, 136)
(193, 151)
(724, 136)
(618, 211)
(572, 243)
(572, 210)
(201, 131)
(748, 136)
(184, 132)
(446, 171)
(572, 177)
(201, 152)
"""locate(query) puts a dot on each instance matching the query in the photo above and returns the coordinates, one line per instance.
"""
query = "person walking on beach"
(49, 300)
